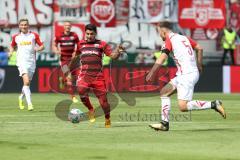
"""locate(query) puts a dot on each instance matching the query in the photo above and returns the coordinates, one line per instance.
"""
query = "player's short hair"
(165, 24)
(67, 22)
(91, 27)
(23, 20)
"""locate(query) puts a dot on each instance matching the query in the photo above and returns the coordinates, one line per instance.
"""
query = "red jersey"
(67, 45)
(91, 54)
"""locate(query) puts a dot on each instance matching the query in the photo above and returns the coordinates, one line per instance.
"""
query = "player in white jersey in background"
(189, 65)
(25, 43)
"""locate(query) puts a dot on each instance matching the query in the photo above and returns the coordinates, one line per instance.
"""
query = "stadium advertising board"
(124, 79)
(130, 79)
(11, 82)
(231, 83)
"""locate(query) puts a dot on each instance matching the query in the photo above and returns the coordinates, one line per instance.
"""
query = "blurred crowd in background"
(215, 24)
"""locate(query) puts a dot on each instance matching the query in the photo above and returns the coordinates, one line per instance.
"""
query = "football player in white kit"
(25, 43)
(189, 65)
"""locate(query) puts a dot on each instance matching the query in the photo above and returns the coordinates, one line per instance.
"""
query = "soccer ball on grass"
(75, 115)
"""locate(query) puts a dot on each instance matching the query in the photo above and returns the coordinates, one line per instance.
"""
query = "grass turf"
(41, 135)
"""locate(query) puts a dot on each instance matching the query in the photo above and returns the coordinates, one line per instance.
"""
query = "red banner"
(202, 13)
(38, 12)
(204, 34)
(122, 12)
(74, 10)
(103, 13)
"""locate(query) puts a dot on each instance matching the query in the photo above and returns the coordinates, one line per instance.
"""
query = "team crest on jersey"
(71, 37)
(154, 7)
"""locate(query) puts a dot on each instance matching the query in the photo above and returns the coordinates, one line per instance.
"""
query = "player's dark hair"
(165, 24)
(91, 27)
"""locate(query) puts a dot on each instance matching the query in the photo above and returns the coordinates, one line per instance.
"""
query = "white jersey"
(26, 43)
(183, 54)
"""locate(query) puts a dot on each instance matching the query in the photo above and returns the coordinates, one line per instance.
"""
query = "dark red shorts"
(85, 84)
(74, 72)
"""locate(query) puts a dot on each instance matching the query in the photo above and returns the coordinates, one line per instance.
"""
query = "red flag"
(202, 13)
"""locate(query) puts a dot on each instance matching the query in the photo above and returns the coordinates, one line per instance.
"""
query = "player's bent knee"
(26, 83)
(182, 106)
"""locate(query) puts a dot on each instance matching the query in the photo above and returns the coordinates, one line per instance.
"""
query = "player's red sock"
(70, 90)
(105, 105)
(86, 101)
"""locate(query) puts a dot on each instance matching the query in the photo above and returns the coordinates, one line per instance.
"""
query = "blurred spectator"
(235, 13)
(149, 58)
(13, 59)
(234, 22)
(146, 58)
(238, 36)
(106, 60)
(158, 53)
(228, 43)
(140, 58)
(3, 57)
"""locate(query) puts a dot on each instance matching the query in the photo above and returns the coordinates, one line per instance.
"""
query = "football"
(75, 115)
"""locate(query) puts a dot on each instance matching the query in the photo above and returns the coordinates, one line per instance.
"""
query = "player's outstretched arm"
(199, 54)
(117, 52)
(156, 66)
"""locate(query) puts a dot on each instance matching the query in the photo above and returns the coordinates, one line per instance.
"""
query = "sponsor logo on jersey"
(89, 52)
(67, 43)
(25, 43)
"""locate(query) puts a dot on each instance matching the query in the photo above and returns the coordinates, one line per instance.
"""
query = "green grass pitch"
(41, 135)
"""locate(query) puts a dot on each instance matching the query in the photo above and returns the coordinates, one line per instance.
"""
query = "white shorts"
(185, 85)
(26, 70)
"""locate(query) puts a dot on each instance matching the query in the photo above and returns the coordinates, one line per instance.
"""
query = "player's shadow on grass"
(121, 126)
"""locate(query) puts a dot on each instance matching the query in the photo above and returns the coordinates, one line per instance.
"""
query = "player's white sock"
(27, 93)
(22, 94)
(166, 106)
(198, 105)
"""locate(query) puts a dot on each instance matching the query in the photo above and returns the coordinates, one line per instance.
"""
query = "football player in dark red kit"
(65, 44)
(90, 52)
